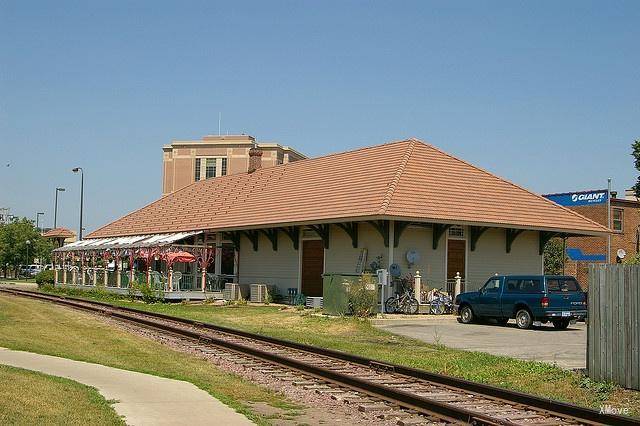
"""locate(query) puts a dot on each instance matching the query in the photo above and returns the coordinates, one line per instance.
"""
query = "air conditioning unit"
(259, 293)
(232, 291)
(314, 302)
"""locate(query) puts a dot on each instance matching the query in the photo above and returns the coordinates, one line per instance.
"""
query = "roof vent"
(255, 160)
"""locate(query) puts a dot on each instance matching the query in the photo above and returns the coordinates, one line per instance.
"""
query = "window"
(197, 171)
(492, 286)
(562, 285)
(223, 167)
(456, 231)
(524, 286)
(618, 217)
(211, 168)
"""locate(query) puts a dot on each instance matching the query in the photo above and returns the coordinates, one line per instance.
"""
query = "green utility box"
(339, 289)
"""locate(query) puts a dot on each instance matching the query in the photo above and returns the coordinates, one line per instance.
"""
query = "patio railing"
(112, 279)
(125, 277)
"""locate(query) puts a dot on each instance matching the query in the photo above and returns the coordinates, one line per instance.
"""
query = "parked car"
(30, 270)
(527, 298)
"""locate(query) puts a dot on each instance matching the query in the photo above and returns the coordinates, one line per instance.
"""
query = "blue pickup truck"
(527, 298)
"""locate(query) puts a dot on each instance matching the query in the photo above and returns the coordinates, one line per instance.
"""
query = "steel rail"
(399, 397)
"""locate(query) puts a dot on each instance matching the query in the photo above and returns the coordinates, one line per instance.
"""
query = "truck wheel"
(561, 324)
(523, 319)
(466, 315)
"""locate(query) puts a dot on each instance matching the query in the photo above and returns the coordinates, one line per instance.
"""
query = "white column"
(417, 286)
(458, 287)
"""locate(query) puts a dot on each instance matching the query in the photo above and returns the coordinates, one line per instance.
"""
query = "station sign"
(582, 198)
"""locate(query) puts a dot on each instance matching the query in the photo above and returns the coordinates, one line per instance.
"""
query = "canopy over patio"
(134, 241)
(116, 262)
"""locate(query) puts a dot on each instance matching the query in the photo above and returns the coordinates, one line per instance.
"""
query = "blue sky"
(544, 93)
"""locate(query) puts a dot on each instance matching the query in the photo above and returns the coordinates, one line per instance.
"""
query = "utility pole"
(609, 220)
(76, 170)
(55, 209)
(38, 220)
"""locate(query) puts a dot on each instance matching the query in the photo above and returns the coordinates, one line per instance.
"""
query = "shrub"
(45, 278)
(362, 295)
(147, 294)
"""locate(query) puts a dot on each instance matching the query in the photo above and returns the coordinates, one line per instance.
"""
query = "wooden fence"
(613, 336)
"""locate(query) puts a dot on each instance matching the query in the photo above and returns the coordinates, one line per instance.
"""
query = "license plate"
(566, 313)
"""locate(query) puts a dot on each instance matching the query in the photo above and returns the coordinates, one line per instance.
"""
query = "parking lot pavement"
(566, 348)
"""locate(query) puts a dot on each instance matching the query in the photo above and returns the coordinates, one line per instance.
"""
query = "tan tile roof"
(405, 179)
(59, 233)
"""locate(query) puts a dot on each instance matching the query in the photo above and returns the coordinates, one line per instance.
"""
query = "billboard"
(581, 198)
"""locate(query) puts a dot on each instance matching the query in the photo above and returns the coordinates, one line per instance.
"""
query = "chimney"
(255, 160)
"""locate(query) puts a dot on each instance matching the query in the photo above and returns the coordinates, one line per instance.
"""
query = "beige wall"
(282, 267)
(432, 265)
(490, 257)
(342, 258)
(267, 266)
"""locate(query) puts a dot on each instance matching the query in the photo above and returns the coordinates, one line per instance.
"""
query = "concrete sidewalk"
(143, 399)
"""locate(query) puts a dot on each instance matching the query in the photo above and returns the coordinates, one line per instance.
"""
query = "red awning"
(180, 256)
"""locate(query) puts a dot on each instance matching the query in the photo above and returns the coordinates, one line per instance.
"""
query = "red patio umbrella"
(180, 256)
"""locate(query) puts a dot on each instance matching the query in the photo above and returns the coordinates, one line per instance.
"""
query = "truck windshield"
(562, 285)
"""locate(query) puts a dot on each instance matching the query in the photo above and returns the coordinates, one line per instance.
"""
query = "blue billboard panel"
(577, 255)
(580, 198)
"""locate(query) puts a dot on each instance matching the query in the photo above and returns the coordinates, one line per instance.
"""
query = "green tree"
(635, 152)
(554, 256)
(13, 245)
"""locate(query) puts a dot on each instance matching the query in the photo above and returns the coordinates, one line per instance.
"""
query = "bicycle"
(440, 302)
(405, 303)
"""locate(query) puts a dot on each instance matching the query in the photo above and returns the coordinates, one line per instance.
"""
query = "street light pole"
(55, 209)
(38, 220)
(76, 170)
(28, 243)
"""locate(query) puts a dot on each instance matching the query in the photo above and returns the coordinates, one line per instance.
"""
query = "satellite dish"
(413, 256)
(394, 270)
(621, 253)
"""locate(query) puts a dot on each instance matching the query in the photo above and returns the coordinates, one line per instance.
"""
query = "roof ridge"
(396, 178)
(574, 213)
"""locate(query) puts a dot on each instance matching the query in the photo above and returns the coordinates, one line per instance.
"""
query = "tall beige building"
(185, 162)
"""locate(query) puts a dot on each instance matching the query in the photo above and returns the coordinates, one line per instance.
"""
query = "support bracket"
(382, 226)
(438, 230)
(512, 234)
(545, 236)
(252, 235)
(234, 236)
(398, 229)
(476, 232)
(323, 231)
(272, 235)
(293, 232)
(351, 228)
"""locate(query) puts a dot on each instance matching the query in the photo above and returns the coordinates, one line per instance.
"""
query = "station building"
(185, 162)
(289, 224)
(601, 207)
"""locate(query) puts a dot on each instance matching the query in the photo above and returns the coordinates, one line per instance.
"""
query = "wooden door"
(456, 258)
(312, 267)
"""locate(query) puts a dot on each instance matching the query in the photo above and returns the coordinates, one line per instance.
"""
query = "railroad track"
(407, 395)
